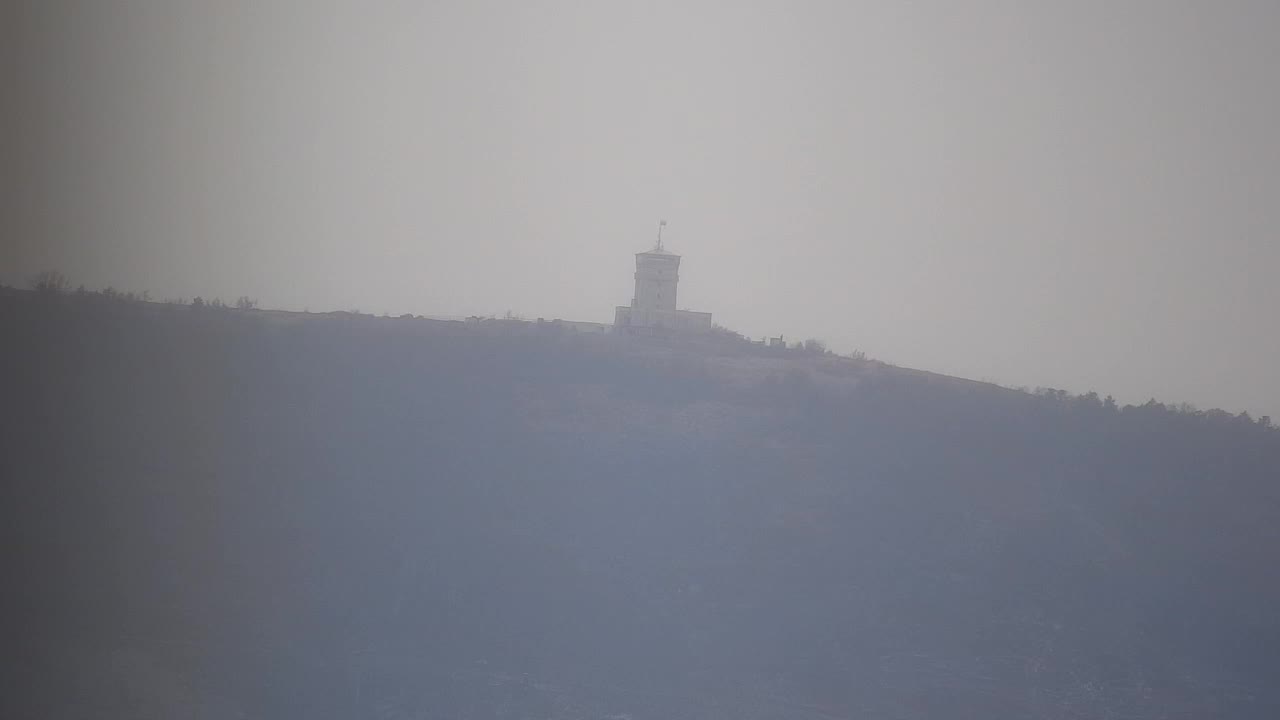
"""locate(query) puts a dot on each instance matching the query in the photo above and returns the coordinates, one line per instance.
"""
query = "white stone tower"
(657, 272)
(653, 306)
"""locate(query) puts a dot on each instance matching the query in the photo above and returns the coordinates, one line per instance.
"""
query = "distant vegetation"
(224, 513)
(51, 283)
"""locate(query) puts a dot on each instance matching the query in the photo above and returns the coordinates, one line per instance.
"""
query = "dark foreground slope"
(220, 514)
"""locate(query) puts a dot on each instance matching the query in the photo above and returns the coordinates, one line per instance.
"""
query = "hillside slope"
(234, 514)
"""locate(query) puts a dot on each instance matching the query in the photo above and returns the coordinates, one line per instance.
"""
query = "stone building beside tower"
(653, 306)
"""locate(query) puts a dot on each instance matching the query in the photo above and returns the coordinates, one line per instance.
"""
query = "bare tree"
(815, 346)
(50, 281)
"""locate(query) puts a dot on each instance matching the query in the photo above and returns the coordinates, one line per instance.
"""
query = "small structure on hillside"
(574, 326)
(653, 306)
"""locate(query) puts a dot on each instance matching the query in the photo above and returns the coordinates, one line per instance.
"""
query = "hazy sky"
(1077, 194)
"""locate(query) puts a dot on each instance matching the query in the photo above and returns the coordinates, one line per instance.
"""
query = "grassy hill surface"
(217, 513)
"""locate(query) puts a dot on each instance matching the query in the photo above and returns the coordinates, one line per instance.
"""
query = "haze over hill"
(221, 513)
(232, 512)
(1077, 194)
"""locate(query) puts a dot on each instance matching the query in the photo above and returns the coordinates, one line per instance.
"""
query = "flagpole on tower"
(661, 224)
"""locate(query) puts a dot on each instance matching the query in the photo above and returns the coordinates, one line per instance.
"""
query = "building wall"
(657, 274)
(691, 321)
(677, 320)
(582, 327)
